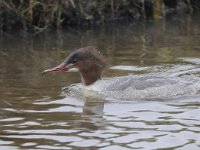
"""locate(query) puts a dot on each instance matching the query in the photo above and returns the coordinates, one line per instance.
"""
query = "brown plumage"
(89, 62)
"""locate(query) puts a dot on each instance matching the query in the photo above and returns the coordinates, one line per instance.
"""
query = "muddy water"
(38, 112)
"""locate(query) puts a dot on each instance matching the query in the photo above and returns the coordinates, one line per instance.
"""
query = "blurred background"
(41, 15)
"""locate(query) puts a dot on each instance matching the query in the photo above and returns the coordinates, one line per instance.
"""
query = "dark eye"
(74, 61)
(73, 58)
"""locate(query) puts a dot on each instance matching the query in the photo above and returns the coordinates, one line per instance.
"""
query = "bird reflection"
(93, 111)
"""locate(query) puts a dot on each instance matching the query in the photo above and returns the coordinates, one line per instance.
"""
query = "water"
(40, 112)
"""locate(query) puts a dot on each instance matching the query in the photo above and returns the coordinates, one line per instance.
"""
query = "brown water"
(36, 112)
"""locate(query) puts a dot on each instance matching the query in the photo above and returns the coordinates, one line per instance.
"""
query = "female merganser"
(90, 63)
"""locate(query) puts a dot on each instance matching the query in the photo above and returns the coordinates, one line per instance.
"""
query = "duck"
(90, 63)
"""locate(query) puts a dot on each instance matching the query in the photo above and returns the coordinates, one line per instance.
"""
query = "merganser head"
(88, 61)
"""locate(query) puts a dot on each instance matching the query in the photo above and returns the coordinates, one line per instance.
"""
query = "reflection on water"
(36, 113)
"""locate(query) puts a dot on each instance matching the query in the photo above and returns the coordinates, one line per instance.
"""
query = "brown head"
(88, 61)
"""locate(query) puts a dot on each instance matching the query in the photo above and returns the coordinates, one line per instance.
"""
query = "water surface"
(39, 112)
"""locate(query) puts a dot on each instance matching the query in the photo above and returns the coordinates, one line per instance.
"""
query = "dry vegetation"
(41, 14)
